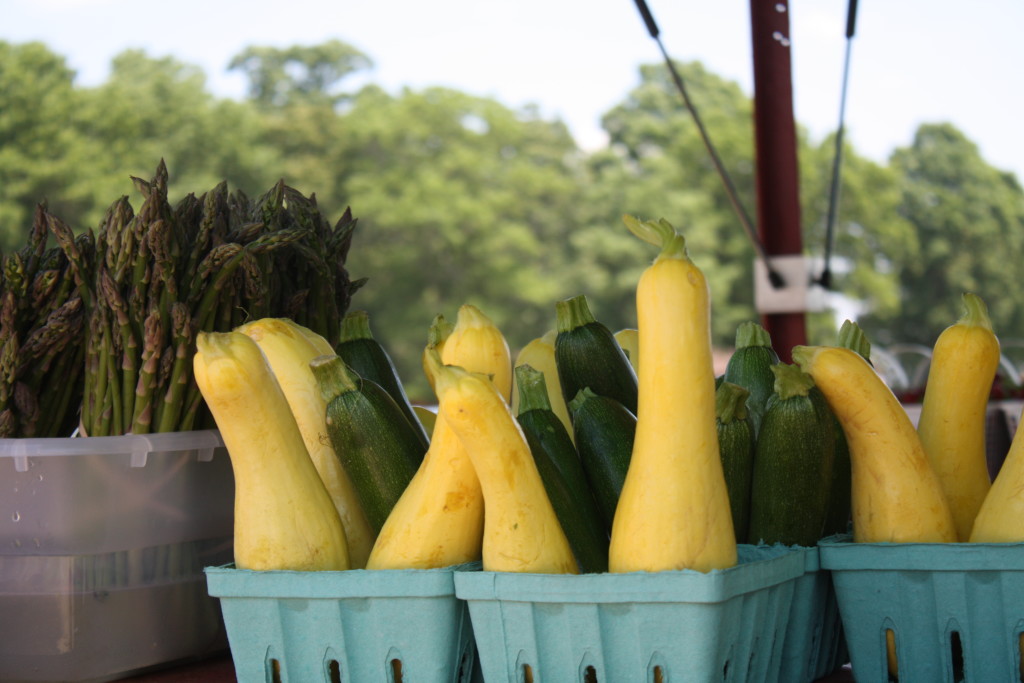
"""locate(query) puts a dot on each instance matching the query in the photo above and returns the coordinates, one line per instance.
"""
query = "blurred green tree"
(42, 152)
(968, 220)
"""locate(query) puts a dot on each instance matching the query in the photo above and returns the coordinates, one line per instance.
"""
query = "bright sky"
(913, 61)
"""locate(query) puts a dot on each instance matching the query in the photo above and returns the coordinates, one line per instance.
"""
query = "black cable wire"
(774, 277)
(833, 198)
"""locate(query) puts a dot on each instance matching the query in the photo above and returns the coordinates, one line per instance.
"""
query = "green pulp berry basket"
(815, 645)
(681, 626)
(956, 610)
(370, 626)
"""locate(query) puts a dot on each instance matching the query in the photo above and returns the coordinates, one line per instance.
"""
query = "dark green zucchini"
(376, 445)
(368, 357)
(750, 367)
(604, 430)
(736, 447)
(587, 355)
(793, 462)
(562, 472)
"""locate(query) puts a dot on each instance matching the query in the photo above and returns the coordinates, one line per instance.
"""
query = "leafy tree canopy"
(283, 76)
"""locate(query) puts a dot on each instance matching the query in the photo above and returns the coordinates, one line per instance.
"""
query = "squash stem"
(730, 402)
(582, 396)
(440, 329)
(852, 337)
(975, 312)
(356, 325)
(661, 234)
(791, 381)
(572, 313)
(749, 333)
(334, 377)
(533, 389)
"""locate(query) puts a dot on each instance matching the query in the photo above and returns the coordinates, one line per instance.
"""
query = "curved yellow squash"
(439, 519)
(284, 517)
(952, 424)
(539, 354)
(896, 495)
(1001, 517)
(289, 348)
(427, 418)
(629, 340)
(673, 511)
(521, 530)
(482, 348)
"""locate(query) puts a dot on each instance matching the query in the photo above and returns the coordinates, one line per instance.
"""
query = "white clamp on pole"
(799, 293)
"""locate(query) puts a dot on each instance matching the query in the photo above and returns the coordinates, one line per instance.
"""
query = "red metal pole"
(778, 195)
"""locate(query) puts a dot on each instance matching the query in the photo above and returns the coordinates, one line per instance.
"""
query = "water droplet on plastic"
(783, 40)
(16, 517)
(780, 7)
(40, 477)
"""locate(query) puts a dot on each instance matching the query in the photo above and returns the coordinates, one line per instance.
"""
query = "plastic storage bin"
(103, 542)
(358, 626)
(727, 625)
(815, 645)
(956, 610)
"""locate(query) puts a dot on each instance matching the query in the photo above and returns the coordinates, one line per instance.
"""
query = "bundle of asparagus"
(147, 282)
(41, 321)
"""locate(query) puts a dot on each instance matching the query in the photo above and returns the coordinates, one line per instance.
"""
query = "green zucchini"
(837, 519)
(368, 357)
(750, 367)
(604, 430)
(376, 445)
(588, 355)
(562, 472)
(736, 447)
(793, 461)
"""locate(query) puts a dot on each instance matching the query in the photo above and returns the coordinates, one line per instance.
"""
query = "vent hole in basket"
(659, 676)
(396, 670)
(465, 671)
(527, 674)
(334, 671)
(956, 652)
(275, 671)
(890, 655)
(590, 675)
(725, 671)
(1020, 650)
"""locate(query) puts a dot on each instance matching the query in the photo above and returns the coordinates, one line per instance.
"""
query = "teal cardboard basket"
(680, 626)
(815, 645)
(358, 626)
(956, 609)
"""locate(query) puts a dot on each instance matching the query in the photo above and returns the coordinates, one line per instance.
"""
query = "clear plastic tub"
(103, 542)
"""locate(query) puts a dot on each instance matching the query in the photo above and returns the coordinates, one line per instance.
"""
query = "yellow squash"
(1001, 517)
(539, 354)
(427, 418)
(896, 495)
(481, 347)
(673, 511)
(521, 530)
(952, 423)
(629, 340)
(284, 517)
(439, 519)
(289, 350)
